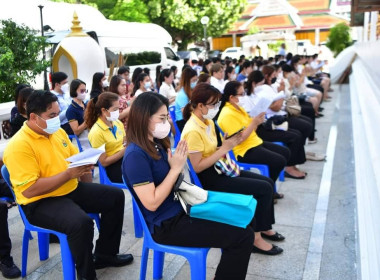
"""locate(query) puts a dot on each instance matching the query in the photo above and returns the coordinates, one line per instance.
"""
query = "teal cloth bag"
(228, 208)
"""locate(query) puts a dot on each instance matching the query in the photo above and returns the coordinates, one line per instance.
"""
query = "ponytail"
(90, 115)
(187, 110)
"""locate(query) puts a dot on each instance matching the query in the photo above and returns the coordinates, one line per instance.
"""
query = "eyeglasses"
(83, 90)
(215, 105)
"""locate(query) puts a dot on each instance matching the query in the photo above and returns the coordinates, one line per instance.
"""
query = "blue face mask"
(52, 125)
(193, 85)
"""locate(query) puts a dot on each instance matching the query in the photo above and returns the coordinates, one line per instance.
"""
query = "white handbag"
(188, 194)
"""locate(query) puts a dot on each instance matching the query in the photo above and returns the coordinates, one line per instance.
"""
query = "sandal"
(277, 195)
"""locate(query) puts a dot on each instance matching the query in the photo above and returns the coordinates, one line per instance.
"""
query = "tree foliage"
(20, 57)
(339, 38)
(181, 18)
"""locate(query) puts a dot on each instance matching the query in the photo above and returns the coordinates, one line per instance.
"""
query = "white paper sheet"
(88, 156)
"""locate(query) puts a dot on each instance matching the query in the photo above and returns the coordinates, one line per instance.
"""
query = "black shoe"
(102, 261)
(9, 269)
(277, 195)
(287, 175)
(320, 109)
(275, 237)
(82, 278)
(274, 251)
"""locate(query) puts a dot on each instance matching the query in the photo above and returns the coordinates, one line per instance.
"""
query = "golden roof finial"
(76, 29)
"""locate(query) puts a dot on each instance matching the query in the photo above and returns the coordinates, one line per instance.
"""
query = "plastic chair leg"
(68, 265)
(282, 176)
(158, 264)
(144, 262)
(198, 267)
(137, 223)
(25, 247)
(43, 245)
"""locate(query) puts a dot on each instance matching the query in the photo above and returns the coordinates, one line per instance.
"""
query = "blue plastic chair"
(103, 179)
(196, 256)
(281, 177)
(73, 136)
(68, 264)
(177, 136)
(7, 199)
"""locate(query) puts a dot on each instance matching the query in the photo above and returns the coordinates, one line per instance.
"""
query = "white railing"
(365, 100)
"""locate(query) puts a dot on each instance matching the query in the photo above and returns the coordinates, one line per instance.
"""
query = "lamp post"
(204, 21)
(46, 85)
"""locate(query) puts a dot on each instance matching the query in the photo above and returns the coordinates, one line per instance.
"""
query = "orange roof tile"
(310, 5)
(248, 10)
(281, 21)
(320, 21)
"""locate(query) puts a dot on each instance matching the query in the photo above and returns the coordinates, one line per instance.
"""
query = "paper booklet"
(88, 156)
(279, 96)
(262, 105)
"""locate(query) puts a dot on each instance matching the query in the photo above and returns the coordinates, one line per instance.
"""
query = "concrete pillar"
(316, 37)
(365, 29)
(234, 40)
(373, 26)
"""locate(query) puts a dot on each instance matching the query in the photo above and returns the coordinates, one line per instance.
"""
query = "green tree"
(181, 18)
(339, 38)
(20, 57)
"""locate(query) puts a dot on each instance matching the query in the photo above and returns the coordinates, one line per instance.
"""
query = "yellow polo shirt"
(231, 120)
(200, 137)
(101, 134)
(30, 156)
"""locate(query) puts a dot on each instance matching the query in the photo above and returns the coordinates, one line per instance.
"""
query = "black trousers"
(68, 214)
(236, 242)
(273, 155)
(5, 241)
(303, 124)
(308, 111)
(66, 127)
(114, 171)
(292, 138)
(249, 183)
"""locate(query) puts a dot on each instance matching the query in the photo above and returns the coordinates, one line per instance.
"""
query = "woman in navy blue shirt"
(150, 171)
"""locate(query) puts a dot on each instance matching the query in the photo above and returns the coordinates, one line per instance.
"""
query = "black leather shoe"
(275, 237)
(9, 269)
(82, 278)
(102, 261)
(274, 251)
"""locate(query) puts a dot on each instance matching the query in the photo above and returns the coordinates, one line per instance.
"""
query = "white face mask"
(105, 84)
(211, 113)
(114, 116)
(65, 88)
(147, 85)
(241, 101)
(81, 96)
(161, 130)
(52, 125)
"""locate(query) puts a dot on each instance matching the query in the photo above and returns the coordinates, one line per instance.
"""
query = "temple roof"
(269, 15)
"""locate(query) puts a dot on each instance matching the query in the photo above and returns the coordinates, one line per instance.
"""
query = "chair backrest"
(140, 215)
(103, 178)
(193, 176)
(177, 136)
(73, 136)
(230, 153)
(6, 177)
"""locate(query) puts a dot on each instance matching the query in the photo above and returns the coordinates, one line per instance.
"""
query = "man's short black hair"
(194, 61)
(246, 64)
(39, 101)
(286, 68)
(58, 77)
(122, 70)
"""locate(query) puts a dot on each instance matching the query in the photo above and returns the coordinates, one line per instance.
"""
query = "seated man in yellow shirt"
(52, 196)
